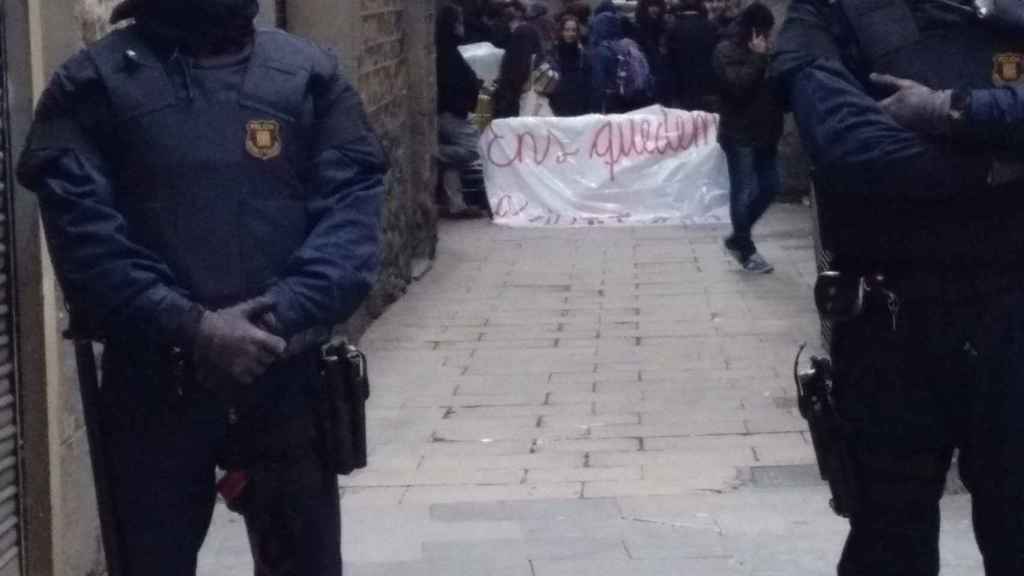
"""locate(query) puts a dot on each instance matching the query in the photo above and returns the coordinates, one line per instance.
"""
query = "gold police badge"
(1008, 70)
(263, 139)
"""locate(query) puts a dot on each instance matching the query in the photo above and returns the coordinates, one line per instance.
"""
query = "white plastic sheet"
(653, 166)
(484, 58)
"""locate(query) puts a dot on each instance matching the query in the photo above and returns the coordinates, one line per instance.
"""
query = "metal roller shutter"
(10, 438)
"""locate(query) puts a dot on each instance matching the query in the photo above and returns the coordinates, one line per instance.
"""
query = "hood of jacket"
(605, 27)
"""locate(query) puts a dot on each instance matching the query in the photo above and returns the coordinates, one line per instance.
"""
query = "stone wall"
(394, 66)
(387, 49)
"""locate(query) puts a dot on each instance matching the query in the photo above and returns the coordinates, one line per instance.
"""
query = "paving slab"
(593, 402)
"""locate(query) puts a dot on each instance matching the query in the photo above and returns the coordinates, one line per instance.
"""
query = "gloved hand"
(915, 106)
(230, 342)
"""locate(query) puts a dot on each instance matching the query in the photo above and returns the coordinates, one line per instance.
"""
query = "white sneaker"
(756, 264)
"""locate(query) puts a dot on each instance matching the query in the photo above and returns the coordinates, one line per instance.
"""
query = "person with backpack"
(749, 130)
(621, 79)
(605, 31)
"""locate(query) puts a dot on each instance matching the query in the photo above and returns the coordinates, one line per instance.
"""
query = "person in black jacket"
(457, 91)
(651, 36)
(476, 25)
(521, 56)
(572, 97)
(210, 194)
(750, 129)
(691, 44)
(925, 204)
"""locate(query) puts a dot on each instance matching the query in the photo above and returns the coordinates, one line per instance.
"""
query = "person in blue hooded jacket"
(209, 194)
(605, 31)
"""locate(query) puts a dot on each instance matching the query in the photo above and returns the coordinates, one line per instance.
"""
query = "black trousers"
(950, 376)
(162, 448)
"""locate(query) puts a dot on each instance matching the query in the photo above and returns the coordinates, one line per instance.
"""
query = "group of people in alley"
(691, 54)
(211, 195)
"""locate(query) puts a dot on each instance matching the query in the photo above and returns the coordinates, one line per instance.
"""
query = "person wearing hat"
(210, 194)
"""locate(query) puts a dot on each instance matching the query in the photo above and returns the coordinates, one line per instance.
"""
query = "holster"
(344, 389)
(829, 434)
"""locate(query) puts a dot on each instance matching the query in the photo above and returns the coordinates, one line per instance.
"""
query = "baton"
(89, 386)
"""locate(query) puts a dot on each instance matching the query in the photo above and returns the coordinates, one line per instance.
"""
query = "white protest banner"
(652, 166)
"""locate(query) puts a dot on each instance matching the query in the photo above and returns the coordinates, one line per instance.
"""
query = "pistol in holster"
(344, 389)
(829, 433)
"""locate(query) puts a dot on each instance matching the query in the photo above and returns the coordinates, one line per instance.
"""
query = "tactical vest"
(977, 230)
(218, 190)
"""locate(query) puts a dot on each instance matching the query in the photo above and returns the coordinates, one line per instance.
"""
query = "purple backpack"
(634, 73)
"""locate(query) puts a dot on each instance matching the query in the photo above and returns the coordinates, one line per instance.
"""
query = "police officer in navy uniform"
(210, 193)
(911, 113)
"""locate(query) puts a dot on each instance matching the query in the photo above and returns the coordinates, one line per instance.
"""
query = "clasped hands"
(239, 342)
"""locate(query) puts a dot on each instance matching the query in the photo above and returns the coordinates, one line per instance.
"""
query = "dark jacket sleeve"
(112, 282)
(332, 273)
(851, 142)
(996, 118)
(458, 86)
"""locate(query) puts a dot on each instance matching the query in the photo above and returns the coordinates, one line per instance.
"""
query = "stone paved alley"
(593, 402)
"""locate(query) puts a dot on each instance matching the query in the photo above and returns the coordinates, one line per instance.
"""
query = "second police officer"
(912, 112)
(208, 193)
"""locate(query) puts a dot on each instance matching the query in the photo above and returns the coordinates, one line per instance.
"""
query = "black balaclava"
(202, 27)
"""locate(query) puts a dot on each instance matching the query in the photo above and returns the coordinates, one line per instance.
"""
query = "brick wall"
(390, 74)
(387, 48)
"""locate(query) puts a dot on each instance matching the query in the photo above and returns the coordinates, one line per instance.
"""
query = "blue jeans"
(753, 184)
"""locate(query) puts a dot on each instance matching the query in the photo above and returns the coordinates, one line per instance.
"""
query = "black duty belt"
(926, 287)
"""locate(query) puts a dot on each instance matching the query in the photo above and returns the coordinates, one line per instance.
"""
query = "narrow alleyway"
(593, 402)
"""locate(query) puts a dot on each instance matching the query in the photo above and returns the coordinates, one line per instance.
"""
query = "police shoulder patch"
(263, 139)
(1008, 69)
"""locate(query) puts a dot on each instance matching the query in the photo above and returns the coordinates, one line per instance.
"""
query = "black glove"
(915, 106)
(231, 343)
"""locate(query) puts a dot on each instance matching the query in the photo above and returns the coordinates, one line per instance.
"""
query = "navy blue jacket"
(996, 117)
(898, 197)
(842, 127)
(135, 282)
